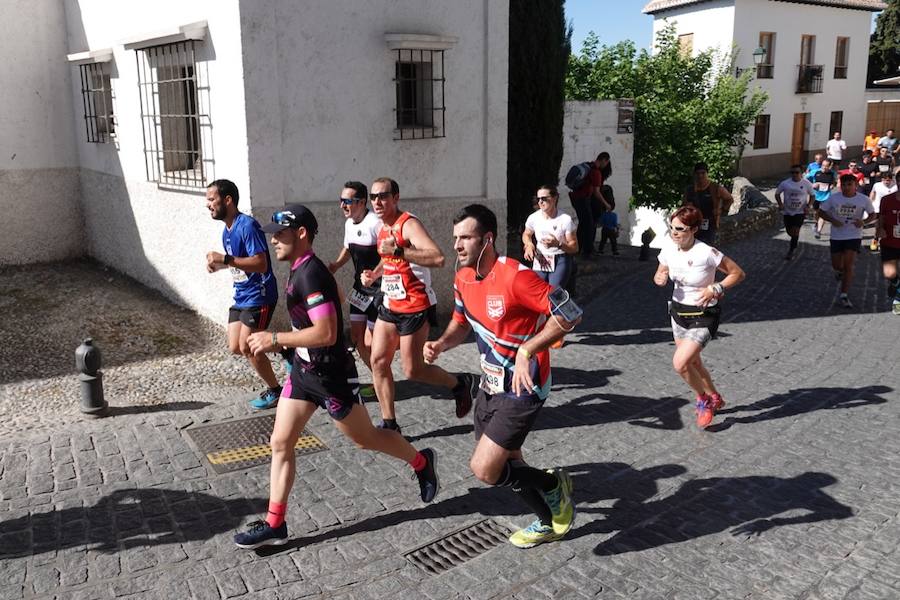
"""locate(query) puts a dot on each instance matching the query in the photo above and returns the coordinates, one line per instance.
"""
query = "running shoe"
(818, 236)
(895, 308)
(260, 533)
(845, 301)
(534, 534)
(706, 409)
(386, 425)
(266, 399)
(464, 393)
(874, 245)
(367, 391)
(559, 500)
(428, 477)
(789, 255)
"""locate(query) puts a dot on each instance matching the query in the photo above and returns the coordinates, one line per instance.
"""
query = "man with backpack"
(585, 180)
(712, 199)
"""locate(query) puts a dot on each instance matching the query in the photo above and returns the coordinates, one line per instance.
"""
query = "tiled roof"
(656, 6)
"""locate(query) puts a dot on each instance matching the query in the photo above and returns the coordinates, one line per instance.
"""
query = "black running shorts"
(838, 246)
(505, 421)
(793, 221)
(254, 317)
(889, 254)
(408, 323)
(336, 393)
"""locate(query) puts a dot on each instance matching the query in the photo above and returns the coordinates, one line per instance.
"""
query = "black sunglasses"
(380, 196)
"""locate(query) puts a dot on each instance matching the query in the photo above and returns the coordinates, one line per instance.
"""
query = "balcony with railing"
(809, 79)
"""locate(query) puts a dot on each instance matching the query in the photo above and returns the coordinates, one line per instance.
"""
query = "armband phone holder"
(561, 304)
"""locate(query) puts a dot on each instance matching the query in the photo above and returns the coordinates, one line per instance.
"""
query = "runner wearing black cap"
(323, 375)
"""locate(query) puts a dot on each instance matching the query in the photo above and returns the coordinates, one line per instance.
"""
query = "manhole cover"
(244, 443)
(456, 548)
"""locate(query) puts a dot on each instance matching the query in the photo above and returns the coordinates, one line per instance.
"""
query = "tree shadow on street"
(799, 401)
(126, 519)
(745, 505)
(142, 409)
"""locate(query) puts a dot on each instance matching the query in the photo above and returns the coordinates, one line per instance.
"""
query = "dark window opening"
(761, 132)
(837, 120)
(419, 78)
(840, 57)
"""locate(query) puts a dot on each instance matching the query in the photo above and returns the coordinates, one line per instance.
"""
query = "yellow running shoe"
(560, 502)
(533, 535)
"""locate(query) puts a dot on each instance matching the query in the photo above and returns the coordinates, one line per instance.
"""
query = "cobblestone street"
(794, 492)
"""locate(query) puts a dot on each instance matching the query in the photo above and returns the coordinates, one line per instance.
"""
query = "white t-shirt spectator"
(880, 191)
(691, 270)
(558, 227)
(847, 210)
(835, 149)
(794, 195)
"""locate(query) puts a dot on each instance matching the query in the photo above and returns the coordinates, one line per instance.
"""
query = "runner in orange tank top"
(408, 311)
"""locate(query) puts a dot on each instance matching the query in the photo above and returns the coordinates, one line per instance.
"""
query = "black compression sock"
(794, 242)
(523, 475)
(536, 503)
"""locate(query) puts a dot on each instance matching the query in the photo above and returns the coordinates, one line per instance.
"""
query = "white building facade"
(144, 104)
(814, 70)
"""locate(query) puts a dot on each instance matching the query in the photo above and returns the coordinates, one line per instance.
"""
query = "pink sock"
(418, 463)
(276, 514)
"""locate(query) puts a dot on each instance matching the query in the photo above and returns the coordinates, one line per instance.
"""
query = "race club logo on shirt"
(495, 307)
(315, 298)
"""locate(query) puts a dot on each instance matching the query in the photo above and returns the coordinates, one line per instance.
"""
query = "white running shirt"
(692, 270)
(794, 195)
(848, 210)
(558, 227)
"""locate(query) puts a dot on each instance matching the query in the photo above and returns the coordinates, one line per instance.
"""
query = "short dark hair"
(797, 167)
(225, 188)
(554, 191)
(359, 189)
(603, 155)
(867, 153)
(395, 189)
(701, 166)
(485, 217)
(848, 178)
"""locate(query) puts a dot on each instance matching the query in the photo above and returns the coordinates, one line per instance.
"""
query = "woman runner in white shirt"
(694, 311)
(554, 231)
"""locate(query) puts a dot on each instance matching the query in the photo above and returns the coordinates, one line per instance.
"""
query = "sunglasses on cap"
(285, 218)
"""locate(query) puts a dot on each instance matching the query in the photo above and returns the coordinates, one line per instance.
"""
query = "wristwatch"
(228, 259)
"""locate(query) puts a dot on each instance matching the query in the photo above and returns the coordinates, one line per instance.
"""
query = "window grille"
(419, 78)
(96, 96)
(175, 121)
(766, 70)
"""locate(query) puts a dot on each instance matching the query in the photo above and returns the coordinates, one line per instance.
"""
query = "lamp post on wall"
(759, 56)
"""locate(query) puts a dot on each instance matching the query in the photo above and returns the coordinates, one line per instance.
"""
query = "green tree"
(884, 45)
(539, 48)
(687, 109)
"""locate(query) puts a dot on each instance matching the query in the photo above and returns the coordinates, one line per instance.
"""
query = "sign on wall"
(626, 116)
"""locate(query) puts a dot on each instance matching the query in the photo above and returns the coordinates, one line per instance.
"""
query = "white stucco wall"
(320, 111)
(712, 24)
(159, 236)
(790, 21)
(38, 174)
(590, 128)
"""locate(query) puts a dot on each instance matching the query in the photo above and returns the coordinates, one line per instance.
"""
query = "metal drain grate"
(244, 443)
(456, 548)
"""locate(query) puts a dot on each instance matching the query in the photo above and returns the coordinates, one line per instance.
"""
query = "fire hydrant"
(87, 361)
(646, 238)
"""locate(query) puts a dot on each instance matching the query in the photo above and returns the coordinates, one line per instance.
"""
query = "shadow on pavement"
(127, 519)
(745, 505)
(141, 409)
(799, 401)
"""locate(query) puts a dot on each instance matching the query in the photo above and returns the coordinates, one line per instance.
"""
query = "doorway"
(798, 139)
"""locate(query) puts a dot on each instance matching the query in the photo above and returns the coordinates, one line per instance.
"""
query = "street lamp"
(759, 56)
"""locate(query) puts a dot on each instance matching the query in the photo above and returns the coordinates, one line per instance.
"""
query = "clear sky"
(612, 20)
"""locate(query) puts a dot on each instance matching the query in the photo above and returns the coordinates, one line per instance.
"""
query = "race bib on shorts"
(548, 265)
(359, 300)
(704, 224)
(392, 286)
(492, 381)
(237, 275)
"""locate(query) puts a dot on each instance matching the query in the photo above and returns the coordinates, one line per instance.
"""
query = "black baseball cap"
(294, 216)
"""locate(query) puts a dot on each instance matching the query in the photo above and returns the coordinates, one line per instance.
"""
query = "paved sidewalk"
(794, 493)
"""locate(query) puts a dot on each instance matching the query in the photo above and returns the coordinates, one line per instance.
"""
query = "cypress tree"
(539, 48)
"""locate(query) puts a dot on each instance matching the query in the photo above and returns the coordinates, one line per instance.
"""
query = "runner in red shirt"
(408, 309)
(509, 308)
(889, 234)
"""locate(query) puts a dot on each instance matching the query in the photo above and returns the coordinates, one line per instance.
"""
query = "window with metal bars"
(419, 78)
(174, 119)
(96, 96)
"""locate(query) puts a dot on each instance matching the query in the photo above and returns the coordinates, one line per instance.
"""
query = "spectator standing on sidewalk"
(711, 199)
(584, 197)
(549, 239)
(609, 224)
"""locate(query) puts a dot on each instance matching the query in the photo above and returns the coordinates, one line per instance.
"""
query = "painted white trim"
(90, 56)
(419, 41)
(181, 33)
